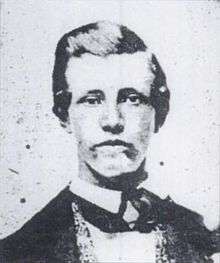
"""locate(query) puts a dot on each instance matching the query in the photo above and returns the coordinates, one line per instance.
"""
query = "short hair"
(104, 38)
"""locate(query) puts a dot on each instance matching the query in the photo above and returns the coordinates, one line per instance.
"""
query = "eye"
(90, 100)
(132, 99)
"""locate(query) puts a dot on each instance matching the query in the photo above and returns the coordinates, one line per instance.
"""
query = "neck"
(122, 182)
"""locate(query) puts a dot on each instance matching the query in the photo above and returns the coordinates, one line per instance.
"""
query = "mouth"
(113, 143)
(118, 145)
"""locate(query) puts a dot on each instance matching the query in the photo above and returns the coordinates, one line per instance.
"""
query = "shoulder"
(181, 224)
(40, 233)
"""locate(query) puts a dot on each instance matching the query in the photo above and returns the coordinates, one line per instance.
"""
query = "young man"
(110, 91)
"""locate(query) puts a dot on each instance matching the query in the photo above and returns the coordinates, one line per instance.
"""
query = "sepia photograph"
(110, 131)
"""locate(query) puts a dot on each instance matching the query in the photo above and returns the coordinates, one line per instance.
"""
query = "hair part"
(102, 39)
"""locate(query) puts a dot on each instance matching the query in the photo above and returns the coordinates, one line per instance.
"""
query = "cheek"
(139, 124)
(84, 124)
(145, 129)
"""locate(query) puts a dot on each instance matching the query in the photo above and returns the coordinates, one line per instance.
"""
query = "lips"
(130, 150)
(113, 143)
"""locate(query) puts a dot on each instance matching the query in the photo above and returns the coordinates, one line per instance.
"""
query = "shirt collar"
(104, 198)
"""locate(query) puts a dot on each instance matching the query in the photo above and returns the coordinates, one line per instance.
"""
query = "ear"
(66, 125)
(152, 122)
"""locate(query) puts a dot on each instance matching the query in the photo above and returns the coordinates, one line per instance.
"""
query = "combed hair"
(102, 39)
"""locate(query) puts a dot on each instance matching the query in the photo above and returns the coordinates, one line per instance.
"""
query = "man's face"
(110, 112)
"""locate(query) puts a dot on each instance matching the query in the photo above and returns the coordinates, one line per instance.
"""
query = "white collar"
(105, 198)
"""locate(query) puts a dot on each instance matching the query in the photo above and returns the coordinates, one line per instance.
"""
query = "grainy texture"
(33, 146)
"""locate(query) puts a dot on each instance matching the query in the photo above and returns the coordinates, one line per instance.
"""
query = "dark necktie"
(114, 222)
(144, 203)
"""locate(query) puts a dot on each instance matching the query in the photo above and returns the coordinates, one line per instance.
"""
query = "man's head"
(110, 89)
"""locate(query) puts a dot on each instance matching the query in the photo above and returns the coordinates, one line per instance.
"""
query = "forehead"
(114, 71)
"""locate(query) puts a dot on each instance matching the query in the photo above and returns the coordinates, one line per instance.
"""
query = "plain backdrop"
(38, 158)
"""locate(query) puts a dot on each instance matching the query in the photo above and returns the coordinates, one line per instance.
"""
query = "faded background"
(38, 158)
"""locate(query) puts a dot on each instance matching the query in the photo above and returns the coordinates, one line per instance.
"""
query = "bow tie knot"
(143, 203)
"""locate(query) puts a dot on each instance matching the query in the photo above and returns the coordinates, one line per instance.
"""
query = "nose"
(112, 120)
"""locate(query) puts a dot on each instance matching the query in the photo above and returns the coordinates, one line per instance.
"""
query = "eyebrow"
(128, 90)
(96, 91)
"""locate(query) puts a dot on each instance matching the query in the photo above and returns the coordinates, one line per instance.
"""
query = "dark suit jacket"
(51, 235)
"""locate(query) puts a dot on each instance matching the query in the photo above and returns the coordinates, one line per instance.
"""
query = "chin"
(112, 170)
(118, 176)
(116, 167)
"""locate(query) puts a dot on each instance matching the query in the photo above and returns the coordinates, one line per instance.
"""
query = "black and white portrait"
(110, 131)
